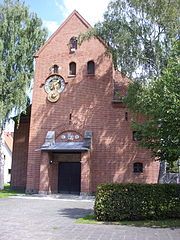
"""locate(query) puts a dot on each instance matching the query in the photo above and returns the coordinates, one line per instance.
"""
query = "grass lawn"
(6, 192)
(167, 223)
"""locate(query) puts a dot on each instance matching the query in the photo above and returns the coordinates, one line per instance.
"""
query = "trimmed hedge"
(115, 202)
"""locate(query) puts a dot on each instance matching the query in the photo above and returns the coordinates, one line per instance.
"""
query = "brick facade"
(20, 152)
(86, 104)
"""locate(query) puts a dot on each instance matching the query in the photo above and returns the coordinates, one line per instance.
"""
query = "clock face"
(54, 84)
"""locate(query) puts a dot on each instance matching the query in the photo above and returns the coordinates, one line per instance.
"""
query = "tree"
(140, 34)
(159, 100)
(21, 35)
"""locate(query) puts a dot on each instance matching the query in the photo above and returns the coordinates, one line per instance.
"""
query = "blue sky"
(54, 12)
(46, 9)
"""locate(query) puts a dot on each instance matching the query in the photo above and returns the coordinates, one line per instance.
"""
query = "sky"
(54, 12)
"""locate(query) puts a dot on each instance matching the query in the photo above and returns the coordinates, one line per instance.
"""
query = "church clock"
(53, 87)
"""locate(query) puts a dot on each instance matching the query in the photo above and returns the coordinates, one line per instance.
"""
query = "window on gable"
(126, 116)
(72, 68)
(54, 69)
(73, 44)
(90, 67)
(138, 167)
(137, 136)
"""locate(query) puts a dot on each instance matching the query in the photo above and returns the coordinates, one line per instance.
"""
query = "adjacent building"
(7, 148)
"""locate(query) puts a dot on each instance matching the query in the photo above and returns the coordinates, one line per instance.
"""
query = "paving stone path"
(38, 218)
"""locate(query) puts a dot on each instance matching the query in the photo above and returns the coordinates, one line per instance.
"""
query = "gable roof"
(61, 26)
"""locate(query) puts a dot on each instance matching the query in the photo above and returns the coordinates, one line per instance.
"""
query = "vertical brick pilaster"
(85, 173)
(45, 174)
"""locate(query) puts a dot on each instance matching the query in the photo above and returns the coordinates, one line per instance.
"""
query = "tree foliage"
(21, 35)
(159, 100)
(140, 34)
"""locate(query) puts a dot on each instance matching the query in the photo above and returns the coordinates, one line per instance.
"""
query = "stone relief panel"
(69, 136)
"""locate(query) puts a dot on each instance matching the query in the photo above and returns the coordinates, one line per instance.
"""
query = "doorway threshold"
(63, 197)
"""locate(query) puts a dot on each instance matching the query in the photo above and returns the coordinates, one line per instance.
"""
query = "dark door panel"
(69, 177)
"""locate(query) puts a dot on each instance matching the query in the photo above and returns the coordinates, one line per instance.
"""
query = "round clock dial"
(55, 84)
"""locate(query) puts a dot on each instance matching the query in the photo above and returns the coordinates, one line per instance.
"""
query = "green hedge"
(115, 202)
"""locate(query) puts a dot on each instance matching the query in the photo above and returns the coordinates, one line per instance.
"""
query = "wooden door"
(69, 179)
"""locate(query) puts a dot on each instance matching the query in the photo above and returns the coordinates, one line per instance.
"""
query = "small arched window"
(73, 44)
(54, 69)
(90, 67)
(126, 116)
(137, 136)
(72, 68)
(138, 167)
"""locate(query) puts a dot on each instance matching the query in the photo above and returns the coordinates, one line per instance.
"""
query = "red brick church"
(77, 133)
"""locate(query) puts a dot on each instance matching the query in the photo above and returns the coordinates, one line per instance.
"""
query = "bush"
(115, 202)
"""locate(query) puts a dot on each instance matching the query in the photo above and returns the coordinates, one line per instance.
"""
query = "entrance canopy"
(66, 147)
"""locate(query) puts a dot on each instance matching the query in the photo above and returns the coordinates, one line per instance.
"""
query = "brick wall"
(20, 152)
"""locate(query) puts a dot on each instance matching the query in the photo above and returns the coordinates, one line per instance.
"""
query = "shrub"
(115, 202)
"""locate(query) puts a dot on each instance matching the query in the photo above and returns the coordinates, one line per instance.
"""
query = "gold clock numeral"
(53, 96)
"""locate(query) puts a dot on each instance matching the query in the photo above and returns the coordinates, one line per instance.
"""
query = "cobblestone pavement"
(54, 219)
